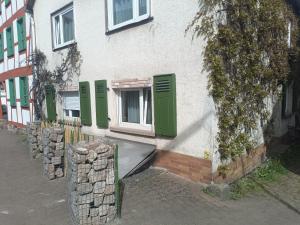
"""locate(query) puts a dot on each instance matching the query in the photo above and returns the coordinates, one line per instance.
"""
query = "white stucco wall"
(158, 47)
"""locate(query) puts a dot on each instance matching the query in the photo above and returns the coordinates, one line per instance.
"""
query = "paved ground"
(26, 197)
(153, 197)
(156, 197)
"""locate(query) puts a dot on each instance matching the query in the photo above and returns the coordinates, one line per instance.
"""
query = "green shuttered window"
(10, 41)
(51, 103)
(165, 105)
(7, 2)
(21, 34)
(1, 47)
(24, 92)
(85, 103)
(12, 92)
(101, 103)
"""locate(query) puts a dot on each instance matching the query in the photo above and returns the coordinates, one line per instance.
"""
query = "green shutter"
(85, 103)
(21, 34)
(165, 114)
(1, 47)
(7, 2)
(101, 103)
(10, 41)
(12, 92)
(24, 92)
(51, 103)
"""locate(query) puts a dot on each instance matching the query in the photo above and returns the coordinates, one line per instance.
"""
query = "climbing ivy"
(247, 58)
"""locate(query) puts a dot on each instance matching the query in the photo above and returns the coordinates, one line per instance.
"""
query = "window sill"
(128, 26)
(144, 133)
(22, 50)
(64, 46)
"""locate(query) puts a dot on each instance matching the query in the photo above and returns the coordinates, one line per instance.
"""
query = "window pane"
(57, 31)
(68, 26)
(75, 113)
(67, 113)
(142, 7)
(148, 105)
(130, 106)
(123, 10)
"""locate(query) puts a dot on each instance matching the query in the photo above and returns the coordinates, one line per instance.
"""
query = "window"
(63, 27)
(1, 47)
(12, 92)
(287, 100)
(124, 12)
(24, 91)
(289, 41)
(21, 34)
(10, 41)
(135, 107)
(71, 104)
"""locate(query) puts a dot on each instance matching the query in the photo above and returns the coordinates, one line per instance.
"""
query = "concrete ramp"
(132, 156)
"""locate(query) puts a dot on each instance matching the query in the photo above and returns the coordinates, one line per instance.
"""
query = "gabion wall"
(92, 182)
(34, 139)
(53, 146)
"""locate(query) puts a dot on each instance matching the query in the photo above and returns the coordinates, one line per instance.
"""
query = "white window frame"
(60, 13)
(136, 17)
(71, 113)
(143, 112)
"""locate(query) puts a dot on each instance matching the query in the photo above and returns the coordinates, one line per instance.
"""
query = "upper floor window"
(10, 41)
(123, 12)
(63, 27)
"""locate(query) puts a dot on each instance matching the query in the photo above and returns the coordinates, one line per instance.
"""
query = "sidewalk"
(26, 197)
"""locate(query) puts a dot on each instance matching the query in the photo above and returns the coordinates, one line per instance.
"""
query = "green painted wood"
(85, 103)
(118, 196)
(24, 92)
(1, 47)
(12, 92)
(7, 2)
(165, 110)
(101, 103)
(21, 34)
(10, 41)
(51, 103)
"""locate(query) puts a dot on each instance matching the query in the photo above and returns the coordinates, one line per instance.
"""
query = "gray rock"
(109, 189)
(81, 151)
(102, 148)
(86, 199)
(109, 199)
(84, 188)
(103, 210)
(59, 172)
(98, 220)
(53, 137)
(83, 210)
(95, 176)
(92, 156)
(84, 168)
(100, 164)
(99, 187)
(56, 160)
(94, 212)
(98, 199)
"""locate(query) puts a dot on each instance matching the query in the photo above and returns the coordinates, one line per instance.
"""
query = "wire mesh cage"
(91, 182)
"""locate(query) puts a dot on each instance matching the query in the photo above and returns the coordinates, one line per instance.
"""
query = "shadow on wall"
(287, 147)
(190, 130)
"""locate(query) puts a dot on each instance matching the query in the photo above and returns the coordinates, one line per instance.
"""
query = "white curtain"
(123, 10)
(142, 7)
(131, 106)
(57, 30)
(68, 25)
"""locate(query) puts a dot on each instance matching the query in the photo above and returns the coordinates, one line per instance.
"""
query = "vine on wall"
(246, 57)
(59, 77)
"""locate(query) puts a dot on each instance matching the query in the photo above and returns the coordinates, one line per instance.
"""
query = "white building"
(141, 78)
(16, 46)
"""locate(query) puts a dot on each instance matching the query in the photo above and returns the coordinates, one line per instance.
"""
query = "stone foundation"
(195, 169)
(53, 146)
(91, 179)
(33, 131)
(241, 166)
